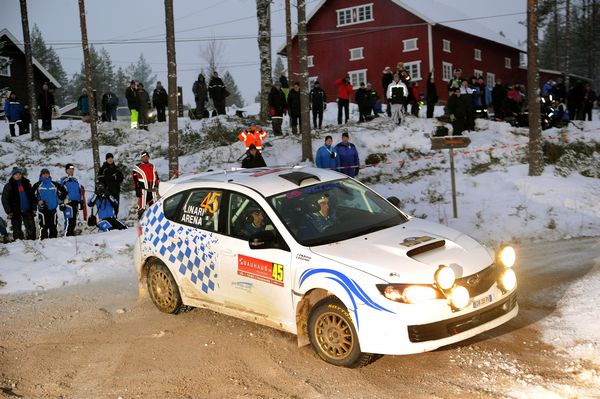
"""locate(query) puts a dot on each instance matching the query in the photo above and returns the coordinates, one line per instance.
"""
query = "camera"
(332, 154)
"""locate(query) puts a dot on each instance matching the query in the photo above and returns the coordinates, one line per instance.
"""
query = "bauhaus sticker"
(261, 270)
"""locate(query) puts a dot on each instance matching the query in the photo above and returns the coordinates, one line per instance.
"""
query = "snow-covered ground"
(497, 200)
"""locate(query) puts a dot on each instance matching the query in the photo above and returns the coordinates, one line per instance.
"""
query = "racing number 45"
(211, 202)
(277, 272)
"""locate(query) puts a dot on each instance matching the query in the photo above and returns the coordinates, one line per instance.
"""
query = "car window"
(246, 217)
(171, 204)
(201, 208)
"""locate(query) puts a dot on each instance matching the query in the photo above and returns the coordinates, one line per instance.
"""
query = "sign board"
(447, 142)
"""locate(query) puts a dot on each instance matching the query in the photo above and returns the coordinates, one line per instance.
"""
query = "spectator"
(344, 94)
(362, 100)
(396, 94)
(285, 84)
(19, 204)
(111, 177)
(575, 101)
(143, 106)
(455, 81)
(132, 103)
(548, 88)
(253, 158)
(252, 136)
(415, 99)
(106, 205)
(145, 183)
(14, 113)
(387, 78)
(483, 99)
(83, 104)
(499, 93)
(318, 103)
(327, 156)
(278, 108)
(110, 103)
(200, 96)
(373, 99)
(348, 156)
(432, 96)
(48, 194)
(293, 103)
(560, 90)
(46, 105)
(457, 109)
(74, 198)
(160, 100)
(589, 96)
(217, 92)
(467, 97)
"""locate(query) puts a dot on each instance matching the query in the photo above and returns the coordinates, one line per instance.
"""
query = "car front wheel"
(163, 289)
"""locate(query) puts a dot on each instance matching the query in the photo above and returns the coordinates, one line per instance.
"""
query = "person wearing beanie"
(131, 96)
(253, 158)
(145, 183)
(13, 110)
(74, 199)
(348, 156)
(18, 202)
(143, 106)
(160, 99)
(111, 177)
(318, 103)
(48, 194)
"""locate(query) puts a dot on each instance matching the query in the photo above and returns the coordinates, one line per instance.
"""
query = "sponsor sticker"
(412, 241)
(261, 270)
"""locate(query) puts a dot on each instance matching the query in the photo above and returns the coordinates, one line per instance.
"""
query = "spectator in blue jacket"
(482, 98)
(105, 205)
(14, 113)
(19, 204)
(348, 156)
(327, 156)
(49, 194)
(74, 198)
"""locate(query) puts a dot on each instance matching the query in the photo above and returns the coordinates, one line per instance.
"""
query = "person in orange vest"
(253, 135)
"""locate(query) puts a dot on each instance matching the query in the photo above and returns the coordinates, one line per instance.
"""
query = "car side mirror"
(394, 201)
(263, 240)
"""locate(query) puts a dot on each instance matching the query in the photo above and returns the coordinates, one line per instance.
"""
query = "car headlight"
(507, 256)
(459, 297)
(508, 280)
(444, 277)
(409, 293)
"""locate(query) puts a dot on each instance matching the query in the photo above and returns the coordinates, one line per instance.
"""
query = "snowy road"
(97, 340)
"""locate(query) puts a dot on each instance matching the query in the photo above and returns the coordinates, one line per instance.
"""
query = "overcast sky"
(231, 22)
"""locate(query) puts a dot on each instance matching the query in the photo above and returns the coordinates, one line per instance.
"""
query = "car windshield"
(334, 211)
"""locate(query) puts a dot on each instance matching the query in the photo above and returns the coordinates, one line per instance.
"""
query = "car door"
(258, 280)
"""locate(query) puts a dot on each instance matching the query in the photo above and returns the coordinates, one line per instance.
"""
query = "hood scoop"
(426, 248)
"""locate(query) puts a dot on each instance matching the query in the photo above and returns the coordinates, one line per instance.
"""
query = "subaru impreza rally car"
(318, 254)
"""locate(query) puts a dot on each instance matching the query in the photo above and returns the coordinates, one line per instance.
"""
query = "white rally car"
(317, 254)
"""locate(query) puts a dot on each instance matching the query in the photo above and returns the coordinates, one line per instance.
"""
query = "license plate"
(482, 301)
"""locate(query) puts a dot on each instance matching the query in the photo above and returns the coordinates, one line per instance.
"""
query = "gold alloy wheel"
(162, 289)
(334, 335)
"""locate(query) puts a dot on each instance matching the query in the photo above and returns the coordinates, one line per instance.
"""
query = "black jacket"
(277, 102)
(112, 177)
(362, 97)
(45, 99)
(160, 98)
(143, 100)
(456, 106)
(109, 101)
(250, 161)
(11, 200)
(432, 96)
(216, 89)
(498, 94)
(131, 96)
(386, 79)
(294, 102)
(318, 99)
(200, 91)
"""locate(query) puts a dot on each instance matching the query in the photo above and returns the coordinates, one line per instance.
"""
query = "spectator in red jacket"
(344, 93)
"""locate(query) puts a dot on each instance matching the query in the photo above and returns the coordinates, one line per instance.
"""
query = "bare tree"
(88, 81)
(536, 153)
(304, 99)
(35, 131)
(212, 53)
(288, 38)
(263, 13)
(172, 82)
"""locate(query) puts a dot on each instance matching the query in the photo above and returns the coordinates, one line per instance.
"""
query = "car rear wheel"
(333, 336)
(163, 289)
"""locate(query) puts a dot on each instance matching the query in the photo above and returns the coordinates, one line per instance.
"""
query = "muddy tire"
(163, 289)
(333, 336)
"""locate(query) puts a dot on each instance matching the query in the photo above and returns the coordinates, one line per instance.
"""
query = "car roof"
(267, 181)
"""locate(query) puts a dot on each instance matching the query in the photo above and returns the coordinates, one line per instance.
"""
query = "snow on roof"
(12, 38)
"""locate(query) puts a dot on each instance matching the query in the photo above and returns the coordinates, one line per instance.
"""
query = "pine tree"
(278, 69)
(51, 61)
(120, 84)
(235, 97)
(103, 76)
(141, 72)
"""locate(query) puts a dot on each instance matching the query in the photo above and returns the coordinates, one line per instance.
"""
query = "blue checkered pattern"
(192, 253)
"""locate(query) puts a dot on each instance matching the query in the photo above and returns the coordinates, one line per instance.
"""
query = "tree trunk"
(90, 94)
(304, 100)
(288, 40)
(263, 12)
(556, 41)
(536, 153)
(35, 131)
(567, 41)
(172, 83)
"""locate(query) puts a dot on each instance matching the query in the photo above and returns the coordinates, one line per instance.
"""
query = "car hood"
(390, 253)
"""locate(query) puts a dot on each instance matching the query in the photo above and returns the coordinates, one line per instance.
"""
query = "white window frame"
(523, 60)
(355, 77)
(477, 54)
(408, 66)
(310, 60)
(446, 71)
(353, 14)
(490, 79)
(446, 46)
(6, 70)
(477, 73)
(507, 63)
(360, 56)
(408, 42)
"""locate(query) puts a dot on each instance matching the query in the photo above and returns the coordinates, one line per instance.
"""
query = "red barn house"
(361, 37)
